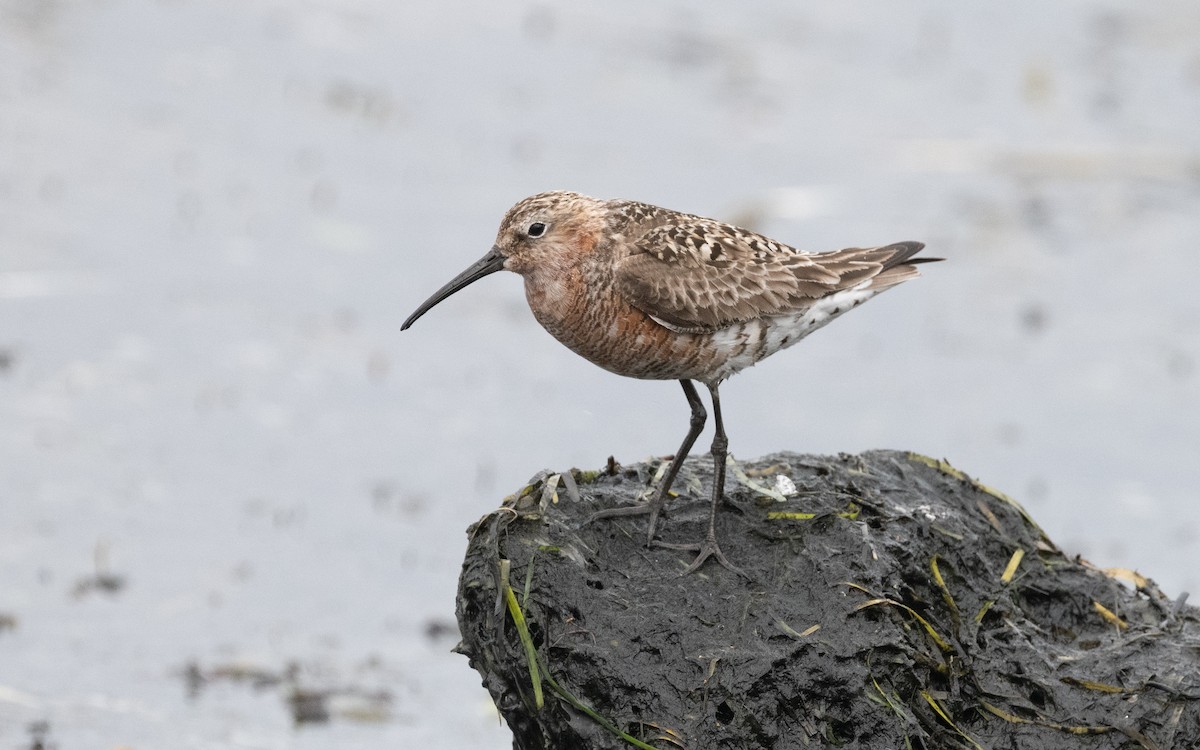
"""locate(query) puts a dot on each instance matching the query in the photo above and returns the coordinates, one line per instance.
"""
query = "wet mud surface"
(895, 602)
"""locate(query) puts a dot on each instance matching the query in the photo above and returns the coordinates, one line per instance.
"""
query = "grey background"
(214, 216)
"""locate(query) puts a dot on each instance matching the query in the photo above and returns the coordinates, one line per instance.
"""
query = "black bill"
(488, 264)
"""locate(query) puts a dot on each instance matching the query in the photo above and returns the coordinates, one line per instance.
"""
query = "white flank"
(781, 331)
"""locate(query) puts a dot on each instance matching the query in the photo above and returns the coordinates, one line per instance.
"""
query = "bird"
(651, 293)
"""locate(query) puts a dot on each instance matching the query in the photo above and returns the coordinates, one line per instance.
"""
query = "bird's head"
(546, 232)
(549, 231)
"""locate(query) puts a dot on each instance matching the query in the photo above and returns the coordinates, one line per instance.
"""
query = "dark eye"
(536, 229)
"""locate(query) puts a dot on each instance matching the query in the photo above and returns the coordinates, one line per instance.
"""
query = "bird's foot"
(640, 509)
(652, 508)
(706, 549)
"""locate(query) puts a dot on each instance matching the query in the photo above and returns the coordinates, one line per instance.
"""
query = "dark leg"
(720, 452)
(699, 416)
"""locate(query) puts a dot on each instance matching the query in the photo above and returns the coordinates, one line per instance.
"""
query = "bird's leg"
(699, 417)
(720, 453)
(654, 508)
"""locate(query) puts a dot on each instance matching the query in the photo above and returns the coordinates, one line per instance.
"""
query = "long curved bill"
(488, 264)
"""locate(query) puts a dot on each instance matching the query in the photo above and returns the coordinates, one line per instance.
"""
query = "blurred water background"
(226, 475)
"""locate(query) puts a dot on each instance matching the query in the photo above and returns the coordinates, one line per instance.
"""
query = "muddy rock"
(894, 602)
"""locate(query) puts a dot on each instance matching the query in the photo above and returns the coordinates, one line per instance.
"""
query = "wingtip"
(903, 252)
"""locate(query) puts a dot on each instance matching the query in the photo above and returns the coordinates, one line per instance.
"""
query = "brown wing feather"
(702, 275)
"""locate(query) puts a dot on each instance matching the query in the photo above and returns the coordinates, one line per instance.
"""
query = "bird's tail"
(899, 265)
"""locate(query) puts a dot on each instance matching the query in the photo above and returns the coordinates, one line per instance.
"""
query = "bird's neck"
(552, 290)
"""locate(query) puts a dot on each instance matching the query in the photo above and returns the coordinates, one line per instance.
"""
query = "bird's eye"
(536, 229)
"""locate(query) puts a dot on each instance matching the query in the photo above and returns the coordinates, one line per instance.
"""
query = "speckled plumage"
(662, 295)
(651, 293)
